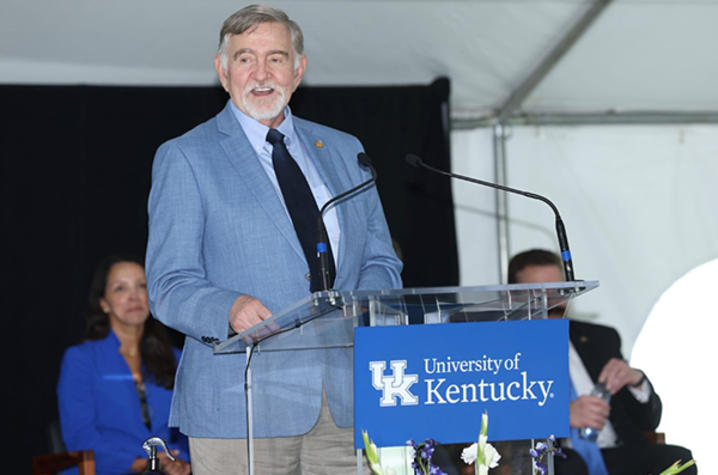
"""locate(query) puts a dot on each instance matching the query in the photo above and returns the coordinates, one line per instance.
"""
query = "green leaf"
(677, 467)
(371, 454)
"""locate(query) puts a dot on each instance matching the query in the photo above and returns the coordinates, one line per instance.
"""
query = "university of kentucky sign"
(435, 381)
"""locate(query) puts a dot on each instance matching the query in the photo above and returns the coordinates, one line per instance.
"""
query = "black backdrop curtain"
(76, 164)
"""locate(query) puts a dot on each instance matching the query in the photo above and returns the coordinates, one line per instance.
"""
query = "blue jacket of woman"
(100, 409)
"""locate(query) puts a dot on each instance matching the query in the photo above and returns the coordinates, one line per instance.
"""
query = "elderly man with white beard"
(234, 209)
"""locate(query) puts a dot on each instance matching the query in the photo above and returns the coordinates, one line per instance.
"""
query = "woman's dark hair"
(155, 347)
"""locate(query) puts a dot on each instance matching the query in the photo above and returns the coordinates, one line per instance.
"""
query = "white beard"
(262, 108)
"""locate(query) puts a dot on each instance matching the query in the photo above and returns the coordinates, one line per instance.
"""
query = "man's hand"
(176, 467)
(246, 312)
(616, 374)
(589, 411)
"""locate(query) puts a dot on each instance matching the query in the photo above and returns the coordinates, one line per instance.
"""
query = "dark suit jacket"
(596, 344)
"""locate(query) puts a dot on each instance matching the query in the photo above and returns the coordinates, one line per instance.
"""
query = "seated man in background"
(634, 407)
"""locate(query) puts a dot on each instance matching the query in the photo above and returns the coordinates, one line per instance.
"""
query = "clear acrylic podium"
(333, 315)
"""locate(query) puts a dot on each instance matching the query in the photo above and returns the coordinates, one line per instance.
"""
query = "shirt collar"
(256, 132)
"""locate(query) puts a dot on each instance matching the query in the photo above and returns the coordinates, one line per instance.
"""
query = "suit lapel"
(319, 152)
(582, 340)
(243, 159)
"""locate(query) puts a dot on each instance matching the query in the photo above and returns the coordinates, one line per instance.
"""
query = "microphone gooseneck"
(322, 241)
(560, 228)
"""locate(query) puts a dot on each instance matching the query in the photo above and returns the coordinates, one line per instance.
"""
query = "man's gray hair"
(251, 16)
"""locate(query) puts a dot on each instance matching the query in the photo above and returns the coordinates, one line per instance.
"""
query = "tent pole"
(593, 118)
(519, 94)
(502, 225)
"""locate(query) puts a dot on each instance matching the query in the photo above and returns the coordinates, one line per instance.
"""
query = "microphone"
(322, 240)
(560, 229)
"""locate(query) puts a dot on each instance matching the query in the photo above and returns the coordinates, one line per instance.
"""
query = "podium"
(328, 319)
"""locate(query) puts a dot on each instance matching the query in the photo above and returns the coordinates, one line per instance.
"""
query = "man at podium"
(633, 406)
(234, 224)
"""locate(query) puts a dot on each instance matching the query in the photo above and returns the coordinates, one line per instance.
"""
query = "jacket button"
(308, 276)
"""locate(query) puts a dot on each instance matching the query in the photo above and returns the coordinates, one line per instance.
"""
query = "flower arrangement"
(421, 457)
(544, 450)
(482, 454)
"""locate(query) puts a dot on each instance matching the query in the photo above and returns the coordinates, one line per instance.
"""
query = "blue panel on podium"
(435, 381)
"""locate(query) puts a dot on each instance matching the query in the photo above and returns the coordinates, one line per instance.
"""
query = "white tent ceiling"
(653, 55)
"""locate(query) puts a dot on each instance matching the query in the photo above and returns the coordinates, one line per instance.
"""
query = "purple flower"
(434, 470)
(426, 451)
(544, 448)
(421, 462)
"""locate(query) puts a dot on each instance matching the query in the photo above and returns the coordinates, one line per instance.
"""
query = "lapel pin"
(583, 339)
(318, 143)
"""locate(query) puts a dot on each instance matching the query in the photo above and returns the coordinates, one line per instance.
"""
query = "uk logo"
(397, 385)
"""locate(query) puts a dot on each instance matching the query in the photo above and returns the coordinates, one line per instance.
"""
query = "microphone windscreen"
(413, 160)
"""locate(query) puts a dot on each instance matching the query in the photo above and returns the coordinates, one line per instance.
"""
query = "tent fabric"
(638, 203)
(638, 55)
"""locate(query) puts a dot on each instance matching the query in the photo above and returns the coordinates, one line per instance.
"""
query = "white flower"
(468, 455)
(492, 455)
(483, 454)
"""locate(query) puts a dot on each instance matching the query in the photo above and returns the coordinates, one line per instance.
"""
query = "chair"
(49, 464)
(54, 438)
(655, 437)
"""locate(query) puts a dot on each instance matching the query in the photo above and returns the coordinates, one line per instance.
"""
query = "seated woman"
(115, 388)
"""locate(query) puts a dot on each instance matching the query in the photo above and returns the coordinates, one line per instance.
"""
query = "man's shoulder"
(581, 326)
(309, 127)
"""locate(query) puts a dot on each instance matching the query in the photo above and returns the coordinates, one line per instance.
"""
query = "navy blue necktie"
(302, 208)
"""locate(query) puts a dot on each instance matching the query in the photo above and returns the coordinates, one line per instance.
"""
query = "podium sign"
(435, 381)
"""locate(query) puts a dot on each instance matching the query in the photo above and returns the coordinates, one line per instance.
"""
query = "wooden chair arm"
(49, 464)
(655, 437)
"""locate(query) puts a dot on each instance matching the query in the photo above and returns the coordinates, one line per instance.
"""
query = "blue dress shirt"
(256, 133)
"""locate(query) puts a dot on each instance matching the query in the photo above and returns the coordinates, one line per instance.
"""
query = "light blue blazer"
(217, 229)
